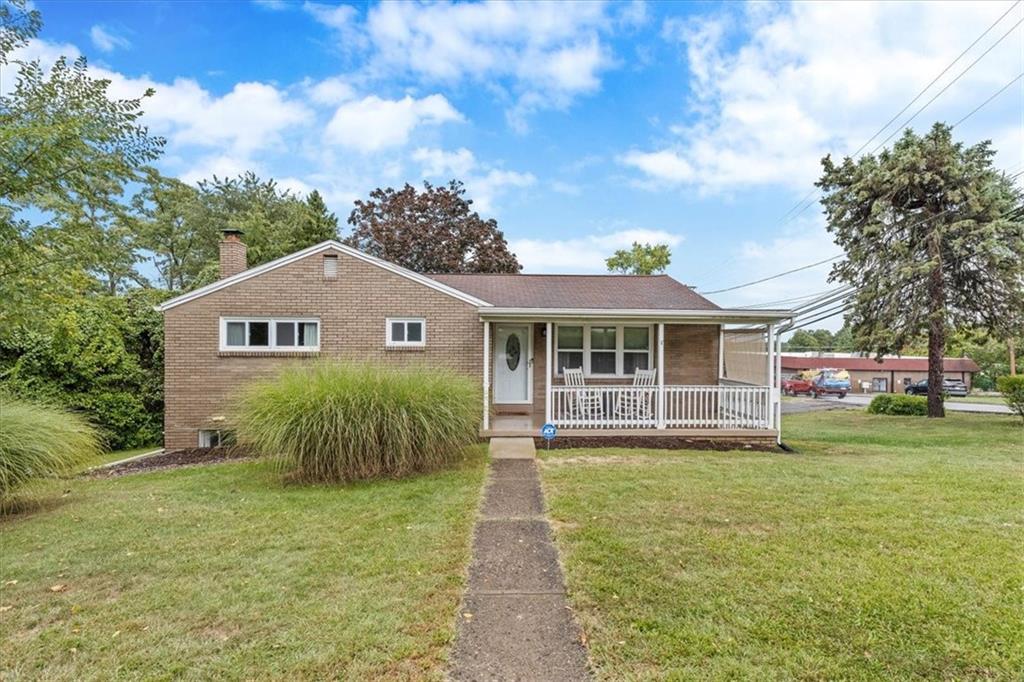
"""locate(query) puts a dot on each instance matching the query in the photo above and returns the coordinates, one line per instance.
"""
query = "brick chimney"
(232, 253)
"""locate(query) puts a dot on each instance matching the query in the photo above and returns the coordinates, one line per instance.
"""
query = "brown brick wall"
(199, 380)
(232, 257)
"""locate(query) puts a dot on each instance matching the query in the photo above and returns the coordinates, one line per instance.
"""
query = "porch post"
(547, 372)
(770, 353)
(487, 375)
(661, 375)
(721, 352)
(778, 388)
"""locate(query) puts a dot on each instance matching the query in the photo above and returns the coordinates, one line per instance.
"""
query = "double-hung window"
(604, 349)
(406, 332)
(267, 334)
(570, 347)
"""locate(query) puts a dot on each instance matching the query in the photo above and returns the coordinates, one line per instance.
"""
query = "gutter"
(714, 315)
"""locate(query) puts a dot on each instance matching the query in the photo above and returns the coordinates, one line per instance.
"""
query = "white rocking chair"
(637, 404)
(583, 403)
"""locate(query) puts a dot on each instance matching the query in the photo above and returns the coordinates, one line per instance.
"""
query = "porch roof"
(604, 292)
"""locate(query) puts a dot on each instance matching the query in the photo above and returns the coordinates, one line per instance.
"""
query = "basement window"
(267, 334)
(213, 438)
(406, 332)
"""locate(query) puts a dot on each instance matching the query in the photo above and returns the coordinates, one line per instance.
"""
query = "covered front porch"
(691, 374)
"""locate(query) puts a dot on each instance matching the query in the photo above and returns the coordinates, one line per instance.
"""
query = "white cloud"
(372, 123)
(273, 5)
(331, 91)
(251, 117)
(583, 254)
(437, 162)
(544, 53)
(221, 165)
(107, 41)
(336, 16)
(665, 165)
(484, 184)
(807, 79)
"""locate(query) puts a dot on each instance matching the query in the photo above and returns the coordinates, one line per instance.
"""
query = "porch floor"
(524, 425)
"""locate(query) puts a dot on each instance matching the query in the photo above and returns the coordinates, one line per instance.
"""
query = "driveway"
(858, 400)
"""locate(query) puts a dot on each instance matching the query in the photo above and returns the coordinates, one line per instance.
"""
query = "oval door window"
(512, 351)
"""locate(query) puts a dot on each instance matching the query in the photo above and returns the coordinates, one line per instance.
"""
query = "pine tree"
(932, 243)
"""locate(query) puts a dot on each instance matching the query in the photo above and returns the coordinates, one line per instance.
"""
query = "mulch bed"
(174, 459)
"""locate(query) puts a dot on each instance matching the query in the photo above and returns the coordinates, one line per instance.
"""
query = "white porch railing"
(633, 407)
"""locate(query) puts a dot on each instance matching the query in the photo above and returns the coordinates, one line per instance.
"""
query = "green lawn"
(889, 548)
(221, 571)
(984, 399)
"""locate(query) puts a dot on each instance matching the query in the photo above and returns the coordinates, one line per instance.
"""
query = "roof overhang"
(330, 245)
(716, 316)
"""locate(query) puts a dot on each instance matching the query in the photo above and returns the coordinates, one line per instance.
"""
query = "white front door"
(512, 364)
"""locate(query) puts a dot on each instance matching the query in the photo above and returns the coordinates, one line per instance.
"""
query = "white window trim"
(405, 344)
(620, 340)
(271, 333)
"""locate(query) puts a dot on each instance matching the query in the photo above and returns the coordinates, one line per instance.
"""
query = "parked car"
(953, 387)
(831, 382)
(794, 384)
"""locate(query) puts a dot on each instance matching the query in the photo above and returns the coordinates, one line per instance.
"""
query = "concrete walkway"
(514, 622)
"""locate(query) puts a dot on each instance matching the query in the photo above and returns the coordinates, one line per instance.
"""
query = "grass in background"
(39, 440)
(220, 572)
(888, 549)
(335, 421)
(113, 456)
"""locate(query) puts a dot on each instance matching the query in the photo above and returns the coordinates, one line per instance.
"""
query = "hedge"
(1012, 388)
(903, 405)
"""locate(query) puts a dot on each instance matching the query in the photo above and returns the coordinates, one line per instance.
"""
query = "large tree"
(66, 151)
(318, 224)
(434, 230)
(169, 223)
(931, 241)
(640, 259)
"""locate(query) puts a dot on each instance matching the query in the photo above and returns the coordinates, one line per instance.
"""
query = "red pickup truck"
(794, 385)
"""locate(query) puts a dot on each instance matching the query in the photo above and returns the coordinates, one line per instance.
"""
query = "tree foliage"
(804, 340)
(930, 241)
(66, 152)
(640, 259)
(434, 230)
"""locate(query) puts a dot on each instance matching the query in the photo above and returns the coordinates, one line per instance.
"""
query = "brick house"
(707, 372)
(889, 375)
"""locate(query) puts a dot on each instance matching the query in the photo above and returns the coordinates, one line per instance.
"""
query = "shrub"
(338, 422)
(908, 405)
(40, 440)
(1012, 388)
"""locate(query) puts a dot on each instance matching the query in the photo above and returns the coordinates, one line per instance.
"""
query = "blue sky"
(579, 126)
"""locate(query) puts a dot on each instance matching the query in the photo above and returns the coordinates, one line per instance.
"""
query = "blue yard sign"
(548, 432)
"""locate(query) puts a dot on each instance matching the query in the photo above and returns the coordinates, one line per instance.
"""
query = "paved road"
(855, 401)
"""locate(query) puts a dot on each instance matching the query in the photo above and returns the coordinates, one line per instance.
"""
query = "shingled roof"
(870, 364)
(632, 292)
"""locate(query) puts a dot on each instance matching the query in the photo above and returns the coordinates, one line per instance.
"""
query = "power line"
(948, 85)
(941, 74)
(765, 279)
(810, 195)
(982, 105)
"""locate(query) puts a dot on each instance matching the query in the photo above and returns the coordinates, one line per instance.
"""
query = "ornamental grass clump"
(342, 422)
(38, 440)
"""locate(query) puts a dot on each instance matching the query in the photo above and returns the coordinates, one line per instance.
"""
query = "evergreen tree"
(932, 243)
